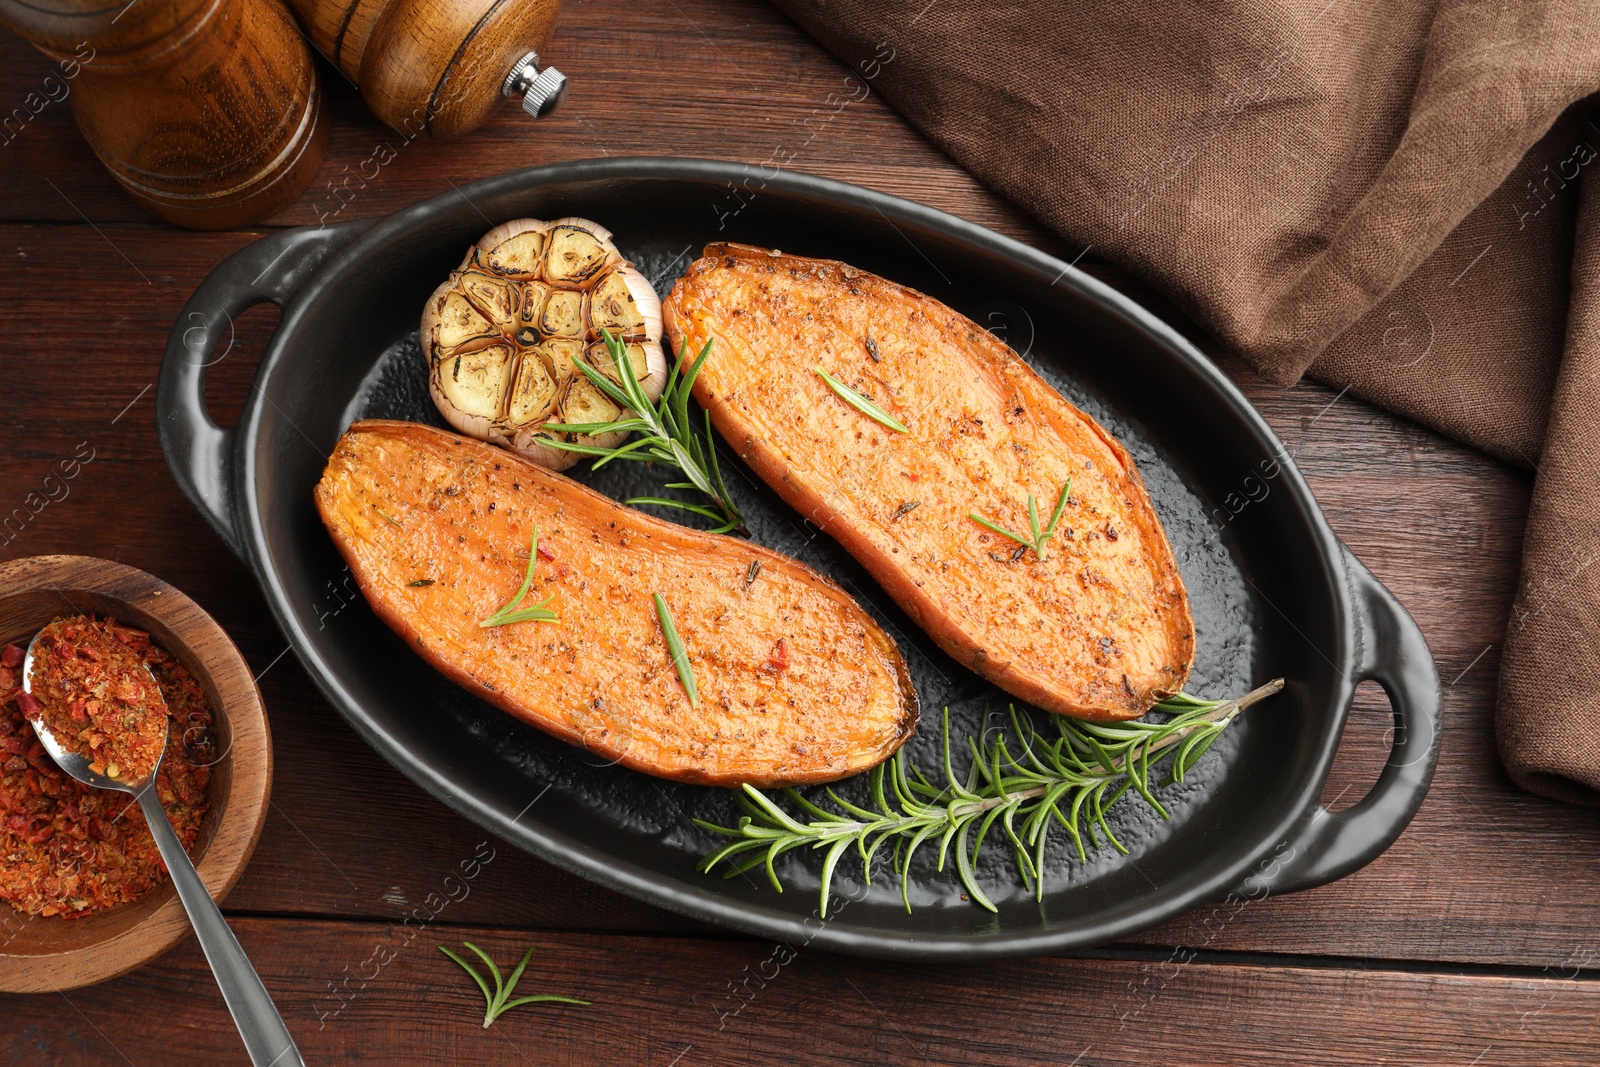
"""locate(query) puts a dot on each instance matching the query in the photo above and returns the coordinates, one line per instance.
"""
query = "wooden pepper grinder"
(438, 67)
(207, 111)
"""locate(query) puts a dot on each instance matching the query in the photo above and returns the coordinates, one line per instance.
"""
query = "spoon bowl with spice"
(97, 709)
(103, 699)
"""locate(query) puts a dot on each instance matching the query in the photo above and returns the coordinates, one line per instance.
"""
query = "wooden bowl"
(38, 954)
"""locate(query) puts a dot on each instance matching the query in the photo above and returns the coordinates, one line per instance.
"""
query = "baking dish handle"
(199, 452)
(1327, 845)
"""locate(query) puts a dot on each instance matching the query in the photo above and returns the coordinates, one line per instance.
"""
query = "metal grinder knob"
(541, 89)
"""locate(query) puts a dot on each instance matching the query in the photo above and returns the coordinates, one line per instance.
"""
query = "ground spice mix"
(91, 690)
(69, 850)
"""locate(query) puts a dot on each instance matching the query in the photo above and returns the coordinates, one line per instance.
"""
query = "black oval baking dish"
(1275, 593)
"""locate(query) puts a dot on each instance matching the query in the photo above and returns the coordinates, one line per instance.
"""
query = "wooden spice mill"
(438, 67)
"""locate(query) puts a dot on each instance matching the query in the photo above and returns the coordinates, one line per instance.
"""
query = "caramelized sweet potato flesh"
(1099, 627)
(797, 683)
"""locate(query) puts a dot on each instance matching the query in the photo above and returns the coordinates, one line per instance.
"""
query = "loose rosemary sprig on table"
(1041, 535)
(664, 432)
(499, 1002)
(1076, 776)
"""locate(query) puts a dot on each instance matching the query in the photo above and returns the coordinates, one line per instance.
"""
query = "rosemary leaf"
(1071, 780)
(1061, 506)
(861, 403)
(577, 446)
(668, 502)
(508, 612)
(680, 656)
(1001, 530)
(476, 977)
(698, 509)
(538, 613)
(615, 426)
(1039, 535)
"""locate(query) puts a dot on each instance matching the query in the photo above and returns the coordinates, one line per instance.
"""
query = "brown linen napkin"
(1384, 194)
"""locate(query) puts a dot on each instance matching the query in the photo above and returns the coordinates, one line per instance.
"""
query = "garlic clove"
(575, 254)
(559, 354)
(613, 307)
(494, 297)
(473, 380)
(532, 394)
(458, 323)
(563, 315)
(518, 252)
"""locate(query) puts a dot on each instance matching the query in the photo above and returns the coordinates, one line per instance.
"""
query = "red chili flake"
(779, 660)
(546, 552)
(69, 850)
(12, 656)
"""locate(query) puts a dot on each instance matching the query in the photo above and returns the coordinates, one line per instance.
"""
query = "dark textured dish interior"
(1225, 621)
(347, 348)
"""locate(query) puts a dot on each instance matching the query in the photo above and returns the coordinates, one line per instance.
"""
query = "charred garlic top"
(501, 333)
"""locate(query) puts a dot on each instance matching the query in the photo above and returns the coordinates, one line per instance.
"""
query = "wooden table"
(1470, 942)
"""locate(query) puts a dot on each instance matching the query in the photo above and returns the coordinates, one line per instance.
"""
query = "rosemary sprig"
(1041, 535)
(861, 403)
(508, 612)
(680, 655)
(664, 431)
(1072, 780)
(498, 1002)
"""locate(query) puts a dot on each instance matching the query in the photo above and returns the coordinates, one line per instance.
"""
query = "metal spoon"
(266, 1038)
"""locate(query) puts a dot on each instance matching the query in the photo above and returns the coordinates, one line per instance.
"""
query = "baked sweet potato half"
(1094, 623)
(796, 683)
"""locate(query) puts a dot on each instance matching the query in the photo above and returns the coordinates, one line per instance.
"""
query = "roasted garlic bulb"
(500, 335)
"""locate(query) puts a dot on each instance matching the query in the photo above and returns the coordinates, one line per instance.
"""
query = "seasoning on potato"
(1008, 524)
(687, 655)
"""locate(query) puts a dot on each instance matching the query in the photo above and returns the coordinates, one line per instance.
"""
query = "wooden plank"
(386, 995)
(661, 77)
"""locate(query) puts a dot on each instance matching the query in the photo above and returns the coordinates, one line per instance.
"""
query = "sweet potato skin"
(1099, 629)
(407, 504)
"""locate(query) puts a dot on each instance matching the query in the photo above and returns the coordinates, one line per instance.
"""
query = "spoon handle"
(265, 1036)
